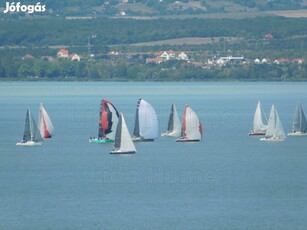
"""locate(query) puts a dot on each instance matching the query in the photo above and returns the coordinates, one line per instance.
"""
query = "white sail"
(146, 122)
(258, 126)
(271, 123)
(174, 123)
(299, 127)
(123, 142)
(44, 123)
(275, 131)
(191, 126)
(31, 134)
(279, 130)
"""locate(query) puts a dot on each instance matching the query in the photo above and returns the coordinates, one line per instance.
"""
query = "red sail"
(107, 110)
(46, 132)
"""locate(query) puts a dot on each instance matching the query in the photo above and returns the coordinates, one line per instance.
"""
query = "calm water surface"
(227, 181)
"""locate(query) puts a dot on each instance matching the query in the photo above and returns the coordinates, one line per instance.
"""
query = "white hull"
(258, 127)
(252, 133)
(183, 139)
(275, 132)
(297, 134)
(272, 139)
(121, 152)
(139, 139)
(29, 143)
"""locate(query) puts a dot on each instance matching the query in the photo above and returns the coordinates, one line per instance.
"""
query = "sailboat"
(123, 143)
(299, 122)
(146, 122)
(108, 120)
(275, 131)
(174, 124)
(44, 123)
(258, 127)
(31, 135)
(191, 130)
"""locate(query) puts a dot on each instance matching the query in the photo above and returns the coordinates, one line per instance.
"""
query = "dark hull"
(256, 134)
(146, 140)
(129, 152)
(140, 139)
(186, 140)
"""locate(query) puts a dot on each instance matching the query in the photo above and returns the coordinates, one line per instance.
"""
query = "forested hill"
(158, 7)
(50, 32)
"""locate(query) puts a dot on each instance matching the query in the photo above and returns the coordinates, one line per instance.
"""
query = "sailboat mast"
(170, 126)
(136, 131)
(184, 122)
(118, 135)
(26, 134)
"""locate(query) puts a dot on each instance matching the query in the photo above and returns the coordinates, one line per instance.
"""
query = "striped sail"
(45, 125)
(108, 120)
(146, 121)
(191, 126)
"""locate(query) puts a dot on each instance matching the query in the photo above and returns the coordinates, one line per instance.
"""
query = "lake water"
(227, 181)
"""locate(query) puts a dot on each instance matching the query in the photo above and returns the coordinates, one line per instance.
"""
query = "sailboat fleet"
(274, 130)
(33, 133)
(112, 126)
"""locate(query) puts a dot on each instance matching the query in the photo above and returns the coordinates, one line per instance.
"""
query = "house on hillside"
(167, 55)
(265, 60)
(257, 61)
(162, 56)
(74, 57)
(27, 56)
(63, 53)
(230, 60)
(262, 61)
(156, 60)
(298, 60)
(268, 36)
(281, 61)
(113, 53)
(182, 56)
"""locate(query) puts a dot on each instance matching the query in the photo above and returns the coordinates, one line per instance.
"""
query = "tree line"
(63, 69)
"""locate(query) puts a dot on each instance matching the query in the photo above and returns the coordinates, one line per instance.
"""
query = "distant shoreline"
(123, 80)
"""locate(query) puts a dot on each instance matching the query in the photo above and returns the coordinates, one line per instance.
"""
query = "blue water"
(227, 181)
